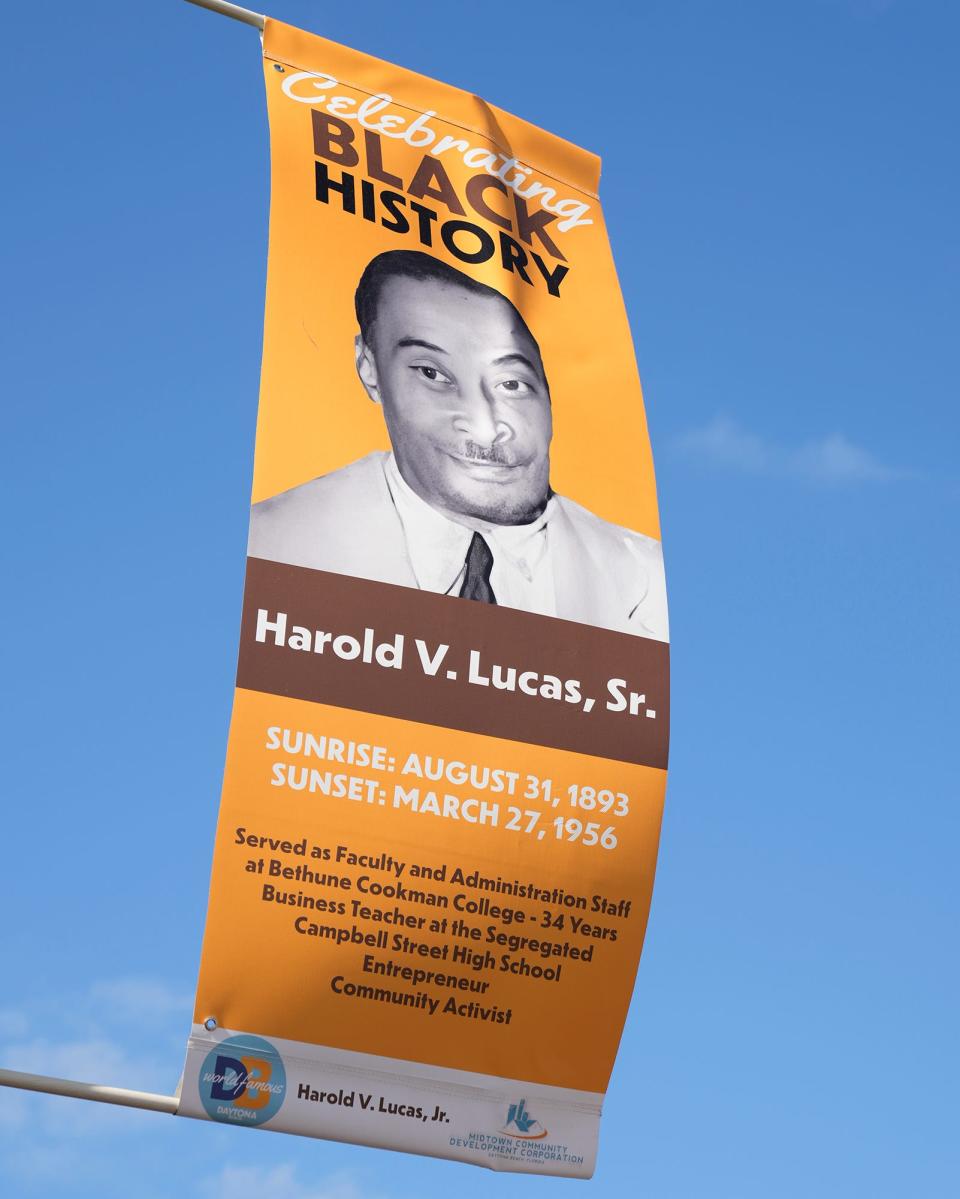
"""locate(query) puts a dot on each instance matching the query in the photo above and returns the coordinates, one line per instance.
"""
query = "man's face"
(465, 400)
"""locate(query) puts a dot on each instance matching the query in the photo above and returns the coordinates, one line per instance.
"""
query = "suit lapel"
(582, 594)
(384, 534)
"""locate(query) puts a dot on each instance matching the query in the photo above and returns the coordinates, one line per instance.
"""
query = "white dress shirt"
(522, 573)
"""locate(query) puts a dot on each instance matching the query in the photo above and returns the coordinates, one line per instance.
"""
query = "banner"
(447, 757)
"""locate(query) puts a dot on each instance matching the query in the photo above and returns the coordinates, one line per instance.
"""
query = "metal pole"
(90, 1090)
(232, 10)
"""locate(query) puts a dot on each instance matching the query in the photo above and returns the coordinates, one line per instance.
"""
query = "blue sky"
(781, 186)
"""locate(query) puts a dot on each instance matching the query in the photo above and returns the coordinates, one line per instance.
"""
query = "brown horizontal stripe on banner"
(375, 647)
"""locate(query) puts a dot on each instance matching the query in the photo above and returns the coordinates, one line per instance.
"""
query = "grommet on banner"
(210, 1023)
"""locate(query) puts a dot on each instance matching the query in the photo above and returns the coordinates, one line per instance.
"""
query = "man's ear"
(367, 368)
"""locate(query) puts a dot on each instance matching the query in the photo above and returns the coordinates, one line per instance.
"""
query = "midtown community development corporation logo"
(242, 1081)
(521, 1139)
(522, 1125)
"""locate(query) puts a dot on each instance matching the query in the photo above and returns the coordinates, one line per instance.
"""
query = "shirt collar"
(437, 545)
(523, 546)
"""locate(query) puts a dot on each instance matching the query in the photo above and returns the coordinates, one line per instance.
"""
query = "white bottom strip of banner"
(386, 1103)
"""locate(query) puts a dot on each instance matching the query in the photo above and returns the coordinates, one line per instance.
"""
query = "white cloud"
(830, 459)
(141, 999)
(723, 443)
(87, 1036)
(57, 1143)
(280, 1182)
(109, 1006)
(126, 1032)
(97, 1060)
(13, 1023)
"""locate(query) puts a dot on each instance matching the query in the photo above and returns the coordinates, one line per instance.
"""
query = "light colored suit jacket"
(346, 522)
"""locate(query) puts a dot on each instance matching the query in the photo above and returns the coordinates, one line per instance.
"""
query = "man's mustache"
(493, 454)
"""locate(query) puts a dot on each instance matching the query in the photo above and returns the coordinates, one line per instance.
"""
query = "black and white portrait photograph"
(461, 505)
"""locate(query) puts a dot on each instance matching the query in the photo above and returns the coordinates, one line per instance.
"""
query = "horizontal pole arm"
(90, 1090)
(232, 10)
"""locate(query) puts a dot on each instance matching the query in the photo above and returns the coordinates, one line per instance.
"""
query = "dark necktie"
(479, 563)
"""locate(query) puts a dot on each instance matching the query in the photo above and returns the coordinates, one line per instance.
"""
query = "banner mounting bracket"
(232, 10)
(89, 1090)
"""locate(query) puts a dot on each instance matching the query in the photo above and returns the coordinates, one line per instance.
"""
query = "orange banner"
(446, 765)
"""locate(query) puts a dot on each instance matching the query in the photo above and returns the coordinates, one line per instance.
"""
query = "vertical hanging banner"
(447, 757)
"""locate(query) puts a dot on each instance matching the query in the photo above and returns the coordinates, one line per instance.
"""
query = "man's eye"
(432, 374)
(516, 386)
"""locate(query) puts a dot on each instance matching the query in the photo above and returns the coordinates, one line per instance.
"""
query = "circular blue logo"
(242, 1081)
